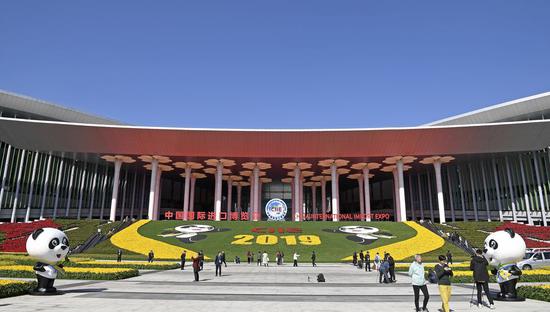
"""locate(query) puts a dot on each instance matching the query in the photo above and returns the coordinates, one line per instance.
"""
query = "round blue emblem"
(276, 209)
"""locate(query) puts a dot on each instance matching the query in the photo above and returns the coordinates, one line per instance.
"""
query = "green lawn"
(471, 230)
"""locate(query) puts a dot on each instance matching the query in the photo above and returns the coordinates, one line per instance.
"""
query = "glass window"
(538, 256)
(547, 255)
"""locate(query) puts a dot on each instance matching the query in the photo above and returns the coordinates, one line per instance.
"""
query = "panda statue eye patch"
(65, 241)
(54, 242)
(493, 244)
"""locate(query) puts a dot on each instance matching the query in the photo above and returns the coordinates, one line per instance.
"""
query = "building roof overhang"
(287, 143)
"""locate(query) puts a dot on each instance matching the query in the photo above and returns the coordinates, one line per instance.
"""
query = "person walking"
(367, 261)
(313, 257)
(449, 257)
(196, 267)
(383, 272)
(391, 269)
(418, 280)
(183, 256)
(150, 256)
(295, 258)
(377, 261)
(223, 259)
(278, 257)
(218, 262)
(361, 258)
(354, 258)
(478, 265)
(249, 257)
(259, 261)
(265, 259)
(119, 255)
(444, 273)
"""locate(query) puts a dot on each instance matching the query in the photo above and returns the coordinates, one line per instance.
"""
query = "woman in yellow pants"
(444, 273)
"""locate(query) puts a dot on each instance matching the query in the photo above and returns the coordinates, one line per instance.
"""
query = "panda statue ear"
(36, 233)
(511, 232)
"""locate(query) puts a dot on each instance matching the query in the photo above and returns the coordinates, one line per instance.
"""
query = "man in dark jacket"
(449, 257)
(391, 269)
(367, 261)
(355, 258)
(479, 266)
(313, 257)
(223, 259)
(150, 256)
(218, 262)
(183, 256)
(444, 273)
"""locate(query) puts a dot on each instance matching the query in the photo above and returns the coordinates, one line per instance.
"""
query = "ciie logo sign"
(276, 209)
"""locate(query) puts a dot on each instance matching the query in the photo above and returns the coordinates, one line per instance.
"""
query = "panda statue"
(503, 249)
(49, 247)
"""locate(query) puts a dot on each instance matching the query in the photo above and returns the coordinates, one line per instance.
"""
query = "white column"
(411, 198)
(186, 190)
(114, 197)
(451, 201)
(439, 189)
(81, 192)
(540, 191)
(511, 190)
(229, 197)
(156, 209)
(256, 182)
(334, 184)
(5, 174)
(402, 201)
(396, 195)
(152, 189)
(192, 195)
(296, 199)
(251, 199)
(313, 198)
(259, 204)
(293, 200)
(103, 191)
(485, 194)
(302, 207)
(70, 190)
(366, 192)
(473, 190)
(133, 202)
(361, 196)
(497, 187)
(218, 192)
(57, 187)
(92, 196)
(46, 182)
(323, 197)
(31, 187)
(525, 192)
(239, 194)
(17, 186)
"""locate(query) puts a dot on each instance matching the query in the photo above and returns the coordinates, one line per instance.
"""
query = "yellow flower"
(11, 282)
(131, 240)
(424, 241)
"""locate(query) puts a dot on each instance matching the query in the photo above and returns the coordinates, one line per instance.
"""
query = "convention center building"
(486, 165)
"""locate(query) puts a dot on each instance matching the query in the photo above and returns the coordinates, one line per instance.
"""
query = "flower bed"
(527, 276)
(10, 288)
(537, 292)
(529, 231)
(15, 234)
(25, 271)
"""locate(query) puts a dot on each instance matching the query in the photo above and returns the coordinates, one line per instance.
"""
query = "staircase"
(97, 238)
(454, 239)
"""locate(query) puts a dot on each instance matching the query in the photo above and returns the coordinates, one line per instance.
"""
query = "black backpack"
(320, 278)
(432, 277)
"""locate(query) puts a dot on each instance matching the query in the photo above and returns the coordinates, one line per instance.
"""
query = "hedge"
(539, 292)
(21, 271)
(131, 265)
(10, 288)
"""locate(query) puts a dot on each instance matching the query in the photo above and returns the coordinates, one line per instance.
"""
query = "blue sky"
(275, 64)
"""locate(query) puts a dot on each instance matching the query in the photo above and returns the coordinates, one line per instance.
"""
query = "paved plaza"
(250, 288)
